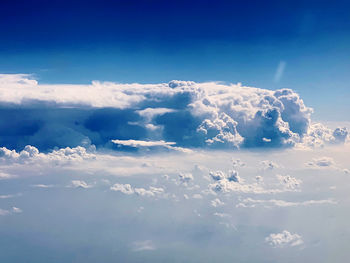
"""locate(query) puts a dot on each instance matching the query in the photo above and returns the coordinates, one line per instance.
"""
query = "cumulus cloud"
(319, 135)
(231, 182)
(289, 182)
(268, 165)
(322, 162)
(188, 114)
(129, 190)
(32, 154)
(80, 184)
(217, 202)
(185, 178)
(284, 239)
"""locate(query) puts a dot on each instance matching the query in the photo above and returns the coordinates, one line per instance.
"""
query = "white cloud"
(16, 210)
(143, 245)
(322, 162)
(185, 178)
(129, 190)
(283, 239)
(186, 113)
(249, 202)
(123, 188)
(4, 212)
(42, 185)
(217, 202)
(269, 165)
(138, 143)
(80, 184)
(289, 182)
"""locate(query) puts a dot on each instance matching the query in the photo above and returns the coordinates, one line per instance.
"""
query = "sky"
(158, 41)
(174, 131)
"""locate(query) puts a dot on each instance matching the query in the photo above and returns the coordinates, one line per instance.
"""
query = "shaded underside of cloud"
(188, 114)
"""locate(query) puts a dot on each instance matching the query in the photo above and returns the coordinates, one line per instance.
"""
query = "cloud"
(80, 184)
(175, 115)
(289, 182)
(283, 239)
(231, 182)
(149, 144)
(269, 165)
(9, 196)
(319, 135)
(14, 210)
(42, 185)
(129, 190)
(217, 202)
(279, 71)
(185, 178)
(249, 202)
(321, 162)
(4, 212)
(143, 245)
(138, 143)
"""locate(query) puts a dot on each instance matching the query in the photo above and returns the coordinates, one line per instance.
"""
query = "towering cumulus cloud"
(179, 113)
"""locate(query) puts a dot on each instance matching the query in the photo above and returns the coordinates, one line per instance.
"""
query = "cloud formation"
(175, 114)
(283, 239)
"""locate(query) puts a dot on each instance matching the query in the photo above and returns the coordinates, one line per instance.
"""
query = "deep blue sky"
(157, 41)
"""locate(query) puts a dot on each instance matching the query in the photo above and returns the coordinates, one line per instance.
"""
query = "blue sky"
(174, 131)
(157, 41)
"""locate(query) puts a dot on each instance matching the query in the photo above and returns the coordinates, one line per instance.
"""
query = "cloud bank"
(180, 114)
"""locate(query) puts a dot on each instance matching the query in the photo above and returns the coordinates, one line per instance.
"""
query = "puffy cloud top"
(285, 238)
(184, 113)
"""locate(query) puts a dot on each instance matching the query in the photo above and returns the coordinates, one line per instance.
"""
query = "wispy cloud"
(279, 71)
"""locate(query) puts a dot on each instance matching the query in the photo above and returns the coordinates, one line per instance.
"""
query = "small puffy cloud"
(185, 178)
(80, 184)
(268, 165)
(322, 162)
(197, 196)
(237, 163)
(221, 215)
(16, 210)
(216, 202)
(284, 239)
(289, 182)
(123, 188)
